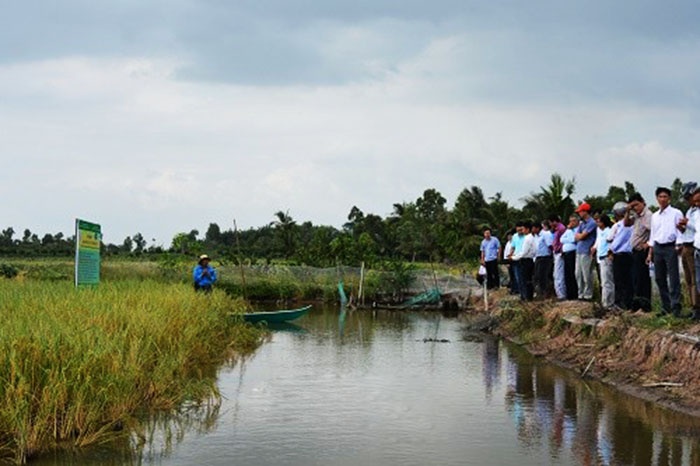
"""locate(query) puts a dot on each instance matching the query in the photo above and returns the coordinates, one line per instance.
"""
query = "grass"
(78, 367)
(283, 283)
(273, 282)
(662, 322)
(521, 318)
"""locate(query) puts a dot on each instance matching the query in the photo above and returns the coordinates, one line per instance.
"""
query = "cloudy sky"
(163, 116)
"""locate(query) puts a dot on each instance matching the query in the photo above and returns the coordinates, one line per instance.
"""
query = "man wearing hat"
(585, 239)
(687, 226)
(204, 275)
(664, 235)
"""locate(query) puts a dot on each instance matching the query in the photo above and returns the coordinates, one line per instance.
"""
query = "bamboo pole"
(486, 295)
(662, 384)
(240, 259)
(588, 367)
(361, 291)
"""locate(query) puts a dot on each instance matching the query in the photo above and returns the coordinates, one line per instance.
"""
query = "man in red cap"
(585, 239)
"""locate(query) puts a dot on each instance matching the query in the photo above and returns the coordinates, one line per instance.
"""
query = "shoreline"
(652, 358)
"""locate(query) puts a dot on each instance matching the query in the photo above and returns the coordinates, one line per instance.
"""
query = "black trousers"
(513, 285)
(641, 282)
(544, 268)
(527, 268)
(622, 275)
(570, 275)
(493, 280)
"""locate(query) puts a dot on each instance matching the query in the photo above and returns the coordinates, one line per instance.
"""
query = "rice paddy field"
(90, 366)
(80, 367)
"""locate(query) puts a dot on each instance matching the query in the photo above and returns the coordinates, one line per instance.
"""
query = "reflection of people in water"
(588, 427)
(585, 445)
(544, 398)
(491, 365)
(605, 446)
(632, 439)
(557, 434)
(520, 399)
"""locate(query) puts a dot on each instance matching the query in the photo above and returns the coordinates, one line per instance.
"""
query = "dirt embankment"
(655, 358)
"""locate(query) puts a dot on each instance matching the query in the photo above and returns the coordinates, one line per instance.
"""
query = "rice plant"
(79, 366)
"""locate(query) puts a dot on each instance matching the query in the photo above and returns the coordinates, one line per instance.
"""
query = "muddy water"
(391, 388)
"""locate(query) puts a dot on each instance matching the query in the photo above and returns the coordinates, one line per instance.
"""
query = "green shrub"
(8, 271)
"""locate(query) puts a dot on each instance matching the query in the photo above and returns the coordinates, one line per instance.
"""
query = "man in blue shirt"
(585, 239)
(544, 260)
(204, 275)
(620, 239)
(568, 249)
(490, 252)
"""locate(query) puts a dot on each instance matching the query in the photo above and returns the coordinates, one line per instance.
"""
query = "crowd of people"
(624, 249)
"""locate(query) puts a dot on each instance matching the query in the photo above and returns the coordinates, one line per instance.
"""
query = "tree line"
(422, 230)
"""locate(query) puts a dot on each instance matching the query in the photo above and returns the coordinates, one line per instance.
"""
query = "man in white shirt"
(695, 220)
(663, 237)
(526, 258)
(507, 253)
(688, 250)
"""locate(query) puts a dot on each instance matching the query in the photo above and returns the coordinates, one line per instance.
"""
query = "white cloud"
(648, 164)
(403, 104)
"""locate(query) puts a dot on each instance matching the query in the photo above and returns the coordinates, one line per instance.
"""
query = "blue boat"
(270, 317)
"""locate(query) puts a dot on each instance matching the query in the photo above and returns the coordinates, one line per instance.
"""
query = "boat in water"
(284, 315)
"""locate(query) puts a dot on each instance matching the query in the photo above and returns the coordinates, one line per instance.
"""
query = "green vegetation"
(522, 319)
(662, 322)
(262, 282)
(81, 366)
(8, 271)
(86, 366)
(424, 230)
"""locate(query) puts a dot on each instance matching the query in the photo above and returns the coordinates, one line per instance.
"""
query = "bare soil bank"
(651, 357)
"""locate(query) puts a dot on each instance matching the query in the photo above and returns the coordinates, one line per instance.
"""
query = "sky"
(161, 116)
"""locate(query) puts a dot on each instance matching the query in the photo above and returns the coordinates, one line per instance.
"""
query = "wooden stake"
(240, 258)
(360, 293)
(486, 296)
(588, 367)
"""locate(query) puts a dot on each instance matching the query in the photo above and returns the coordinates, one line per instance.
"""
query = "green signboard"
(88, 237)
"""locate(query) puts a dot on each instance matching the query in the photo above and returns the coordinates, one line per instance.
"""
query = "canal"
(407, 388)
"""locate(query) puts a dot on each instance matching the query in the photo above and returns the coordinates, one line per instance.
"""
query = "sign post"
(88, 237)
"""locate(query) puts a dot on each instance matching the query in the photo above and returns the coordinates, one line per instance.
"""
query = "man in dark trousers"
(490, 252)
(664, 239)
(641, 282)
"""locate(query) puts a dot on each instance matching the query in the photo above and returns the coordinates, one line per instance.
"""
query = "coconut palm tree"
(555, 198)
(286, 232)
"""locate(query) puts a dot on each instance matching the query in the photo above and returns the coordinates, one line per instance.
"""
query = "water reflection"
(382, 388)
(152, 441)
(597, 425)
(491, 366)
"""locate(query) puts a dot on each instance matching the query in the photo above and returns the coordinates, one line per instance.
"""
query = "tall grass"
(77, 367)
(271, 282)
